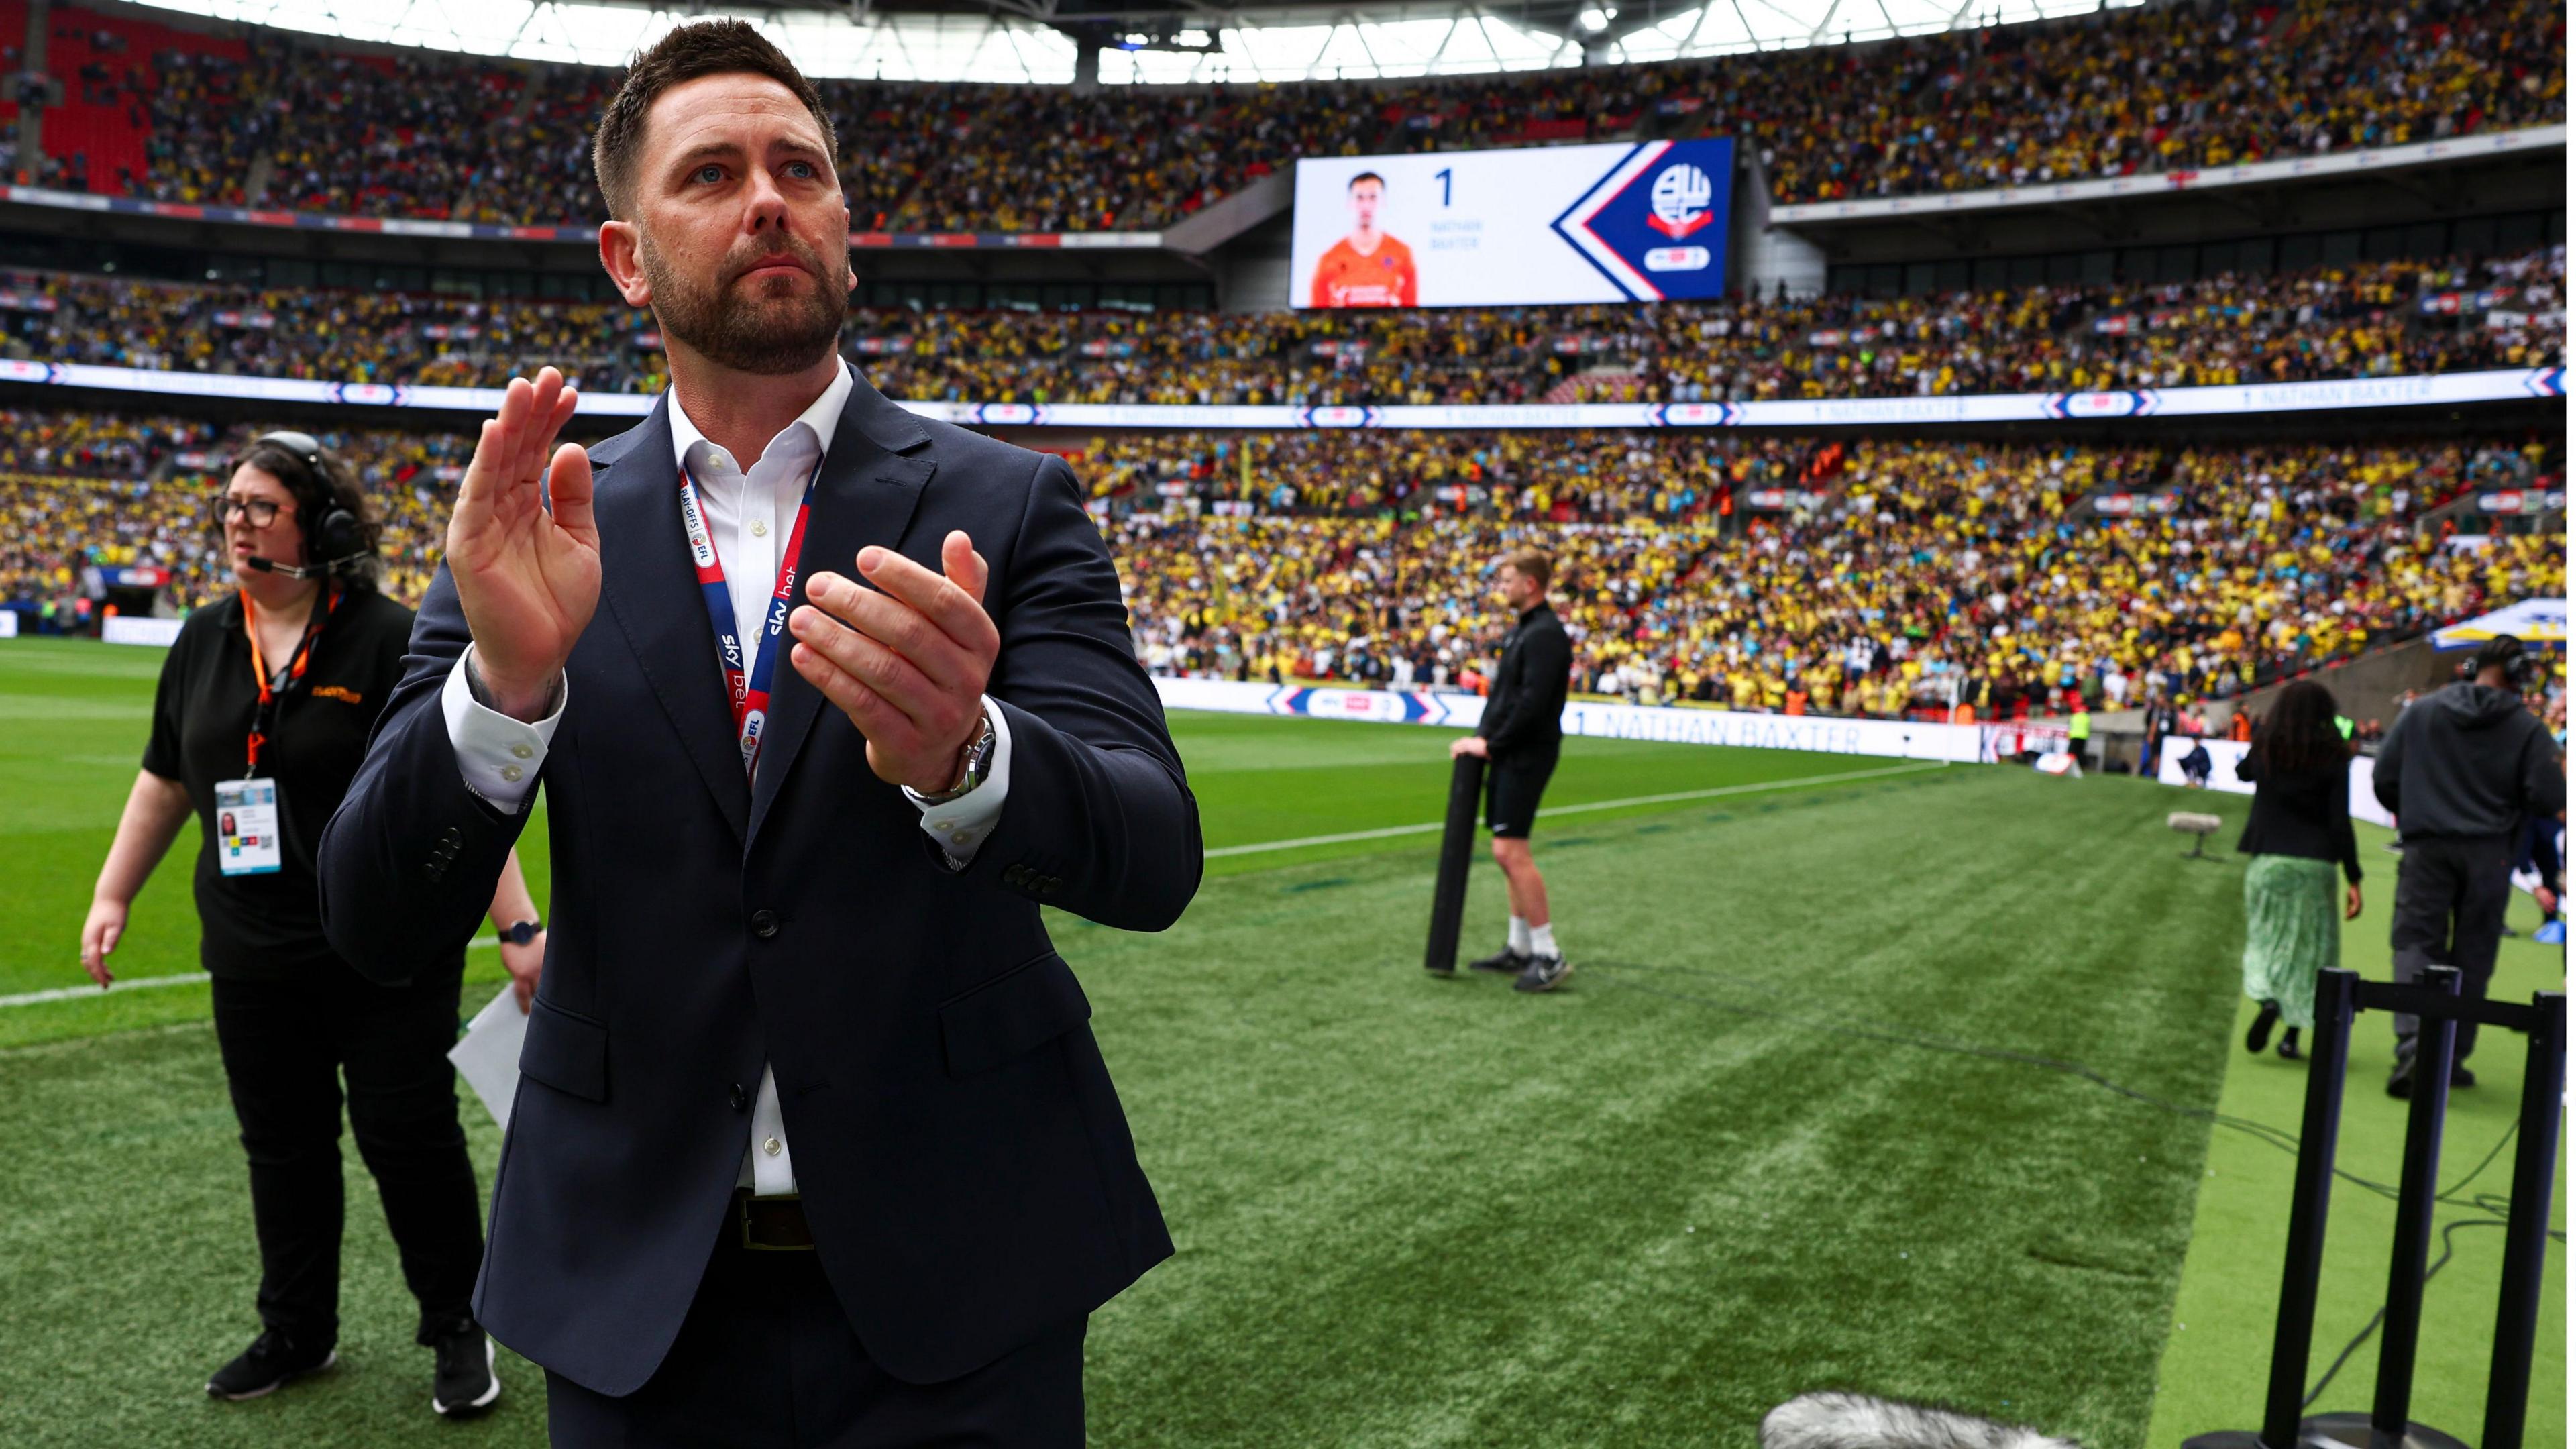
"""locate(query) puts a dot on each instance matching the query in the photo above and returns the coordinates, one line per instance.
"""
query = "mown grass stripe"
(1390, 832)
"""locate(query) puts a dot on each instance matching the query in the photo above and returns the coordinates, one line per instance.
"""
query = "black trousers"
(766, 1358)
(286, 1045)
(2449, 911)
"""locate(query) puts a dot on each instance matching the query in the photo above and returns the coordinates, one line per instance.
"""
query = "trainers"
(466, 1383)
(1544, 973)
(1505, 962)
(2461, 1076)
(270, 1363)
(2401, 1077)
(2259, 1034)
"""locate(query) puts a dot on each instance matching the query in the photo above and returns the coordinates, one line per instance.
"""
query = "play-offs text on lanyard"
(747, 679)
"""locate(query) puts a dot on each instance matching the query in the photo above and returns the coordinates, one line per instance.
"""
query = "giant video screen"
(1621, 222)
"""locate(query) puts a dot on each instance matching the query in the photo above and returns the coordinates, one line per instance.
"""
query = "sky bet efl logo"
(1655, 224)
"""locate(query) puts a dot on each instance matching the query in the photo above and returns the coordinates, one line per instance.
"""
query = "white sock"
(1520, 935)
(1542, 940)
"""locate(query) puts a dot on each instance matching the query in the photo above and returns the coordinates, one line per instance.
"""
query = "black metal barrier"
(1457, 844)
(2436, 1004)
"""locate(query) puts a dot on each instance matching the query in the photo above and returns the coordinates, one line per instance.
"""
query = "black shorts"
(1512, 788)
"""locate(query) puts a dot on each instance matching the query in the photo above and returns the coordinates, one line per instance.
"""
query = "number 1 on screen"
(1442, 176)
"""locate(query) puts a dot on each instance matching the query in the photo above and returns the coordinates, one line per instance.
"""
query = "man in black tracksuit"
(1519, 734)
(2462, 770)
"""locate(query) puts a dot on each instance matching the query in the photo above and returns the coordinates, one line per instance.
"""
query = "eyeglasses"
(260, 511)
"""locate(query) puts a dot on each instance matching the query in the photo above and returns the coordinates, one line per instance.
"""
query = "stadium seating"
(1972, 559)
(1881, 571)
(2364, 319)
(83, 488)
(2135, 90)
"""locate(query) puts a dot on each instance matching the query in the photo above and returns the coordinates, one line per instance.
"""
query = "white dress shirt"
(747, 518)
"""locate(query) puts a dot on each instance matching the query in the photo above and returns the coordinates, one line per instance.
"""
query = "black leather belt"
(770, 1224)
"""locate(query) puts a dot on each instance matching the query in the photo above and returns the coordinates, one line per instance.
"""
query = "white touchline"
(66, 993)
(1678, 795)
(146, 983)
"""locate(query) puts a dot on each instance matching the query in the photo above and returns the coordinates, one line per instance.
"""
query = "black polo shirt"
(269, 927)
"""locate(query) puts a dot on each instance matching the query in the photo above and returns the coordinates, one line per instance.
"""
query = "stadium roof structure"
(1153, 41)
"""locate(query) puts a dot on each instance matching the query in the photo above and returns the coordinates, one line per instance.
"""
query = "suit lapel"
(872, 480)
(653, 594)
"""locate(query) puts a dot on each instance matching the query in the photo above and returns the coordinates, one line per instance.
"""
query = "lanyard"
(748, 688)
(264, 718)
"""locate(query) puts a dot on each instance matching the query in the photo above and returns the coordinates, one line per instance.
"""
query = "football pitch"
(1804, 1118)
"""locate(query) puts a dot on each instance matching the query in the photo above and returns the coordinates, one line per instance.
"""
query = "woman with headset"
(265, 705)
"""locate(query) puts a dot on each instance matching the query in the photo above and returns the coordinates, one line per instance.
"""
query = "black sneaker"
(270, 1363)
(2259, 1034)
(1505, 962)
(2401, 1078)
(1544, 973)
(2288, 1046)
(2461, 1076)
(466, 1383)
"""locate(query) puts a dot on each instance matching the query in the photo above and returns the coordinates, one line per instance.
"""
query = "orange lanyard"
(264, 718)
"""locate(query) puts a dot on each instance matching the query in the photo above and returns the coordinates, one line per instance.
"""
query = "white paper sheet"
(487, 1057)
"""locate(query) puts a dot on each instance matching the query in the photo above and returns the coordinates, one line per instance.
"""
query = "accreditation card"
(246, 827)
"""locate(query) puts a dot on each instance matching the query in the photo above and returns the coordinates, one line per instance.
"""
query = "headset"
(2505, 652)
(336, 536)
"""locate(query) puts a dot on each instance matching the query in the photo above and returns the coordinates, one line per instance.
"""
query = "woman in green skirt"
(2301, 829)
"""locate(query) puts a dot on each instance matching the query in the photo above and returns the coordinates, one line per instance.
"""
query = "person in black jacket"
(812, 1142)
(1520, 732)
(2462, 769)
(261, 719)
(2300, 831)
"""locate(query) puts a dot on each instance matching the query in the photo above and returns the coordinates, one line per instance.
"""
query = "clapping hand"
(527, 577)
(907, 660)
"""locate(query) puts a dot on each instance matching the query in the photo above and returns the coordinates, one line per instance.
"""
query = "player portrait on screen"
(1367, 268)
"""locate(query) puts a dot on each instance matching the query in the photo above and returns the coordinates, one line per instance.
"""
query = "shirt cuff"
(960, 825)
(498, 756)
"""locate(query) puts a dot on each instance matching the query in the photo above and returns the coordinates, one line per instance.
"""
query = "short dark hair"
(1354, 182)
(2505, 652)
(699, 48)
(320, 480)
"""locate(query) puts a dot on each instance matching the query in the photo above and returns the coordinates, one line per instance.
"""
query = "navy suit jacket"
(962, 1157)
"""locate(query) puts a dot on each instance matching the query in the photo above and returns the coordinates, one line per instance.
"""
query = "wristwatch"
(521, 932)
(974, 770)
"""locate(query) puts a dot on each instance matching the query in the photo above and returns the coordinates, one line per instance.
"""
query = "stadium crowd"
(86, 490)
(2353, 320)
(2358, 319)
(1880, 578)
(295, 122)
(1854, 576)
(328, 336)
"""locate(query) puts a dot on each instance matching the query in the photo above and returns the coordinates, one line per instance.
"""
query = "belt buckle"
(742, 1221)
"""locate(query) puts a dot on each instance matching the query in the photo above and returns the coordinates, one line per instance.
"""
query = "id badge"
(246, 828)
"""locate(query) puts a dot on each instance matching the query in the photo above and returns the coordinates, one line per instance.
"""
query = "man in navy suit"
(812, 1142)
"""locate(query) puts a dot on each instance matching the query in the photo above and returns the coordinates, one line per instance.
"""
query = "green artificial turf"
(2218, 1360)
(1778, 1134)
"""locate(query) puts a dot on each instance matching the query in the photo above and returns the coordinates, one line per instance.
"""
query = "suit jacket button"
(738, 1097)
(764, 924)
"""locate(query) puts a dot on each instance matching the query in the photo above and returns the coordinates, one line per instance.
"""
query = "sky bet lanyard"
(264, 718)
(748, 689)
